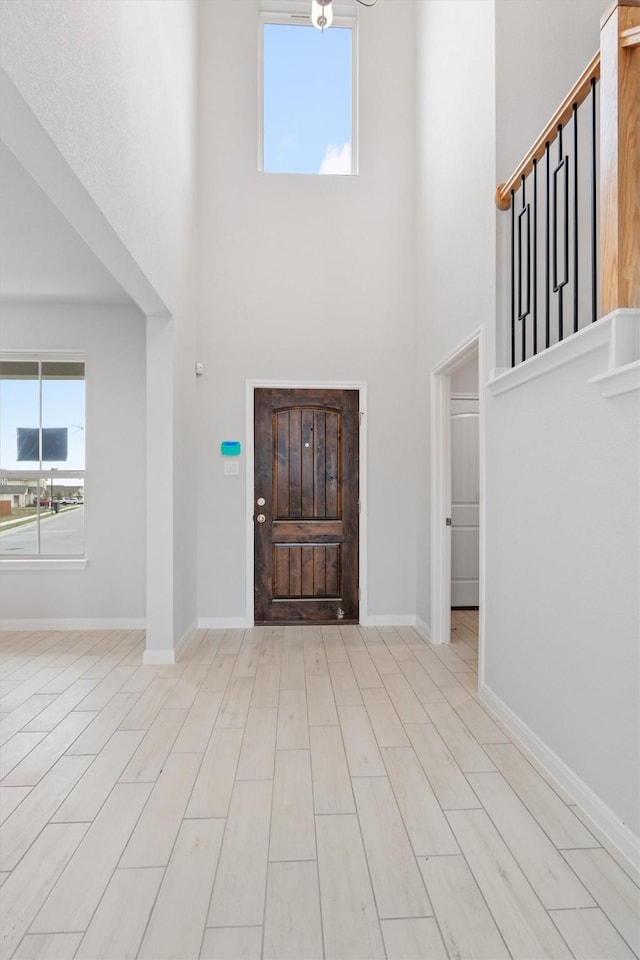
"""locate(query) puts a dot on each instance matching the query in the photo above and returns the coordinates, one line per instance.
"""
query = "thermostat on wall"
(230, 448)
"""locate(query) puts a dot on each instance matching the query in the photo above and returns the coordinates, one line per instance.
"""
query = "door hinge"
(361, 416)
(447, 520)
(359, 506)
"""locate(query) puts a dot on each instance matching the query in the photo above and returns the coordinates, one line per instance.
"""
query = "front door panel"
(306, 531)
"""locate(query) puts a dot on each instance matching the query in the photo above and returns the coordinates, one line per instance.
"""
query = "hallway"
(333, 792)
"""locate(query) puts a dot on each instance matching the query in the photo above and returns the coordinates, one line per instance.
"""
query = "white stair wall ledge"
(619, 331)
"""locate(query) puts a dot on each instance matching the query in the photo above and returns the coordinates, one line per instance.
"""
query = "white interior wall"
(542, 47)
(455, 220)
(465, 378)
(307, 278)
(562, 627)
(562, 615)
(111, 588)
(112, 86)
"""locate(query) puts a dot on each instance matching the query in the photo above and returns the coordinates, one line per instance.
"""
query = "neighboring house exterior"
(19, 494)
(218, 264)
(14, 493)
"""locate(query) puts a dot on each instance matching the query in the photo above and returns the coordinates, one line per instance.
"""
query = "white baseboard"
(160, 657)
(224, 623)
(100, 623)
(243, 623)
(611, 826)
(389, 620)
(423, 629)
(193, 626)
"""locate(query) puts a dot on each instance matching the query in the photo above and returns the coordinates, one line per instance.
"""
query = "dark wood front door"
(306, 506)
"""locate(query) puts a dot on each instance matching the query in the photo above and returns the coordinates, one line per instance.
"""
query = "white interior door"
(465, 502)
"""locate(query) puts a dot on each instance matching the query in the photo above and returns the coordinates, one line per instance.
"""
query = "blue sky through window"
(307, 99)
(62, 406)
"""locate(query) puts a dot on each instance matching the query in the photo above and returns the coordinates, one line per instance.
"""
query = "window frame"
(299, 15)
(39, 561)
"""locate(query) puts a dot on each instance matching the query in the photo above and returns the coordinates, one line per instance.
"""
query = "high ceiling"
(42, 258)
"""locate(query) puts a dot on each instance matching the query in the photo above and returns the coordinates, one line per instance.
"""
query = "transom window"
(308, 96)
(42, 457)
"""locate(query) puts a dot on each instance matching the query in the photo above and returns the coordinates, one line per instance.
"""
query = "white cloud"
(337, 159)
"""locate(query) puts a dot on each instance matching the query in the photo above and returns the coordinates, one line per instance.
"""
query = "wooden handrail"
(576, 95)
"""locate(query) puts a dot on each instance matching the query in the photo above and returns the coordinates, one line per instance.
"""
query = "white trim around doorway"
(361, 387)
(441, 490)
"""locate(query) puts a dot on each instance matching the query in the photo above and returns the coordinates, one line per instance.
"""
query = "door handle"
(261, 518)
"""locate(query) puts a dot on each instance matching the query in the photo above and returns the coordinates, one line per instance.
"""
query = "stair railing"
(575, 225)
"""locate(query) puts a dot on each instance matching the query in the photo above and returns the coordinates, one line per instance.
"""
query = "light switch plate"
(231, 468)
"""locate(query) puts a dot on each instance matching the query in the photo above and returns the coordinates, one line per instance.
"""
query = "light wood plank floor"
(299, 793)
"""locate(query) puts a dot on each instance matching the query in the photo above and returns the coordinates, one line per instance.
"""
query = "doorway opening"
(457, 501)
(465, 504)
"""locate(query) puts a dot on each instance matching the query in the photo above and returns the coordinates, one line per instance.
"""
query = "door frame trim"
(441, 490)
(250, 387)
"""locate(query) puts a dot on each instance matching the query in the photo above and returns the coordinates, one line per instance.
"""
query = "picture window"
(42, 458)
(308, 103)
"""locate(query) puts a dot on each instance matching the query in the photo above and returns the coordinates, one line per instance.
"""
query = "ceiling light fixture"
(322, 12)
